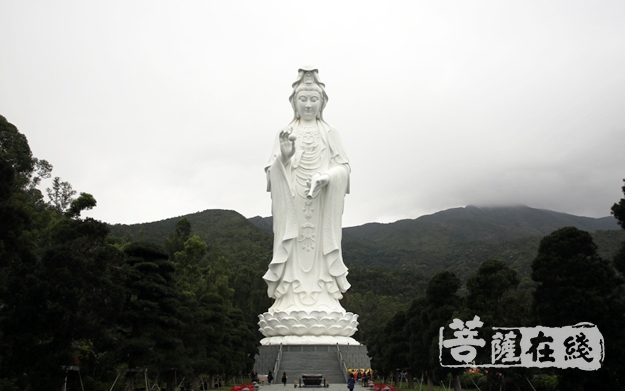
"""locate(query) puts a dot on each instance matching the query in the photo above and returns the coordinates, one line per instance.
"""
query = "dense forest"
(179, 298)
(121, 310)
(570, 284)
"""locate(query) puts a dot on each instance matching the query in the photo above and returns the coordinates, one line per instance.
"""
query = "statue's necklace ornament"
(309, 136)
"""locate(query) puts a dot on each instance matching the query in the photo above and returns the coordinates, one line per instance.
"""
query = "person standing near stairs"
(284, 378)
(351, 382)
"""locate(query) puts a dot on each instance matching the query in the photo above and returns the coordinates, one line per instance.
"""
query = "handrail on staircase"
(276, 367)
(341, 361)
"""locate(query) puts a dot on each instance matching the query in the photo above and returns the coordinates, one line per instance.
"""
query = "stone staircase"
(265, 360)
(310, 359)
(355, 356)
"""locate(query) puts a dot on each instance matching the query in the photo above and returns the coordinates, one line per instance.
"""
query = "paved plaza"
(290, 387)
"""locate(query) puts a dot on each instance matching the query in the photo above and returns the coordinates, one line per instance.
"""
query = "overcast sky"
(164, 108)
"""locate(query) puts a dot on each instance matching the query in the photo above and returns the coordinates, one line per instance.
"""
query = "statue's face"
(308, 104)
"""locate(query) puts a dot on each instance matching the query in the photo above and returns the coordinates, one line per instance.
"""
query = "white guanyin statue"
(308, 177)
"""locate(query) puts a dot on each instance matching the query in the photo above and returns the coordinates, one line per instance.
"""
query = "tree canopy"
(72, 295)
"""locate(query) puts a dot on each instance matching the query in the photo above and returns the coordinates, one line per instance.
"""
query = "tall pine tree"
(576, 285)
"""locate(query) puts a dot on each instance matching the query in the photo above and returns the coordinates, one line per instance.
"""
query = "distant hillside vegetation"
(225, 232)
(389, 264)
(458, 239)
(461, 238)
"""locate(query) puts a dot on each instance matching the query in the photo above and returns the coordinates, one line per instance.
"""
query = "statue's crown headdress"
(308, 76)
(308, 80)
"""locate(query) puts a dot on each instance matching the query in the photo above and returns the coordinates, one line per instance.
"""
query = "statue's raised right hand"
(287, 144)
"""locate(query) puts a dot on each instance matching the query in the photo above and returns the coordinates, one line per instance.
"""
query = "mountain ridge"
(458, 239)
(590, 224)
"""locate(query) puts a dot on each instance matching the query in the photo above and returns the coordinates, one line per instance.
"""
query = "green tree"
(419, 353)
(84, 202)
(19, 202)
(151, 324)
(489, 288)
(58, 276)
(204, 335)
(618, 211)
(250, 293)
(443, 302)
(176, 241)
(16, 153)
(216, 334)
(396, 348)
(419, 326)
(61, 195)
(238, 346)
(573, 281)
(205, 325)
(493, 296)
(59, 303)
(576, 285)
(18, 209)
(377, 294)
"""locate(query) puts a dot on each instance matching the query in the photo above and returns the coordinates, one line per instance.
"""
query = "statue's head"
(308, 80)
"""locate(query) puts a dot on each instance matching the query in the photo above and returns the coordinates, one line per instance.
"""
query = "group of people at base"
(358, 375)
(361, 375)
(255, 378)
(261, 378)
(354, 375)
(351, 381)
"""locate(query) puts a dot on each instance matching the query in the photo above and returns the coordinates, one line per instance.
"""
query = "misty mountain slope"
(225, 232)
(461, 238)
(458, 239)
(473, 223)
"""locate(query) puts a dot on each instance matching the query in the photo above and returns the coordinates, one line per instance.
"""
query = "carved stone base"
(308, 328)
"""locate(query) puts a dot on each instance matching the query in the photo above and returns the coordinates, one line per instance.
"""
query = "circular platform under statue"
(308, 328)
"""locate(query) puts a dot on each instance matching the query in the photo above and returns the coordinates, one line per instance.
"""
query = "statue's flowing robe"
(307, 269)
